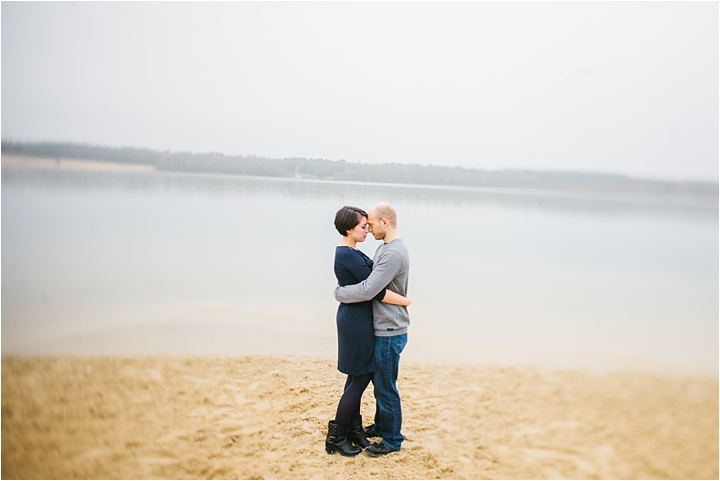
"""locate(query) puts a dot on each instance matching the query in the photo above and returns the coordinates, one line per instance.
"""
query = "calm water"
(150, 263)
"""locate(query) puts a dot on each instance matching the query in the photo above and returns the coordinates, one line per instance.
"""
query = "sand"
(266, 418)
(72, 164)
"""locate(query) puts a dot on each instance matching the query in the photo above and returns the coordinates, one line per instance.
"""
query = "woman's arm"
(395, 298)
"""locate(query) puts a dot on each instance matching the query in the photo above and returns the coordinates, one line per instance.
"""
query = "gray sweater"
(390, 269)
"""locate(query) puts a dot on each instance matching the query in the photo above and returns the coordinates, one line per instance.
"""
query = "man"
(390, 269)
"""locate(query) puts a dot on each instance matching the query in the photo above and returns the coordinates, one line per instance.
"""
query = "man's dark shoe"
(379, 449)
(370, 432)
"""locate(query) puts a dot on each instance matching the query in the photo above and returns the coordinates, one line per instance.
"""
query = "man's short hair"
(347, 218)
(384, 211)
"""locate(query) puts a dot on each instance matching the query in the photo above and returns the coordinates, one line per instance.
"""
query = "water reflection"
(573, 203)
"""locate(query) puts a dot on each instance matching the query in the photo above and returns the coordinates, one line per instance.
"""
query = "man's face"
(376, 226)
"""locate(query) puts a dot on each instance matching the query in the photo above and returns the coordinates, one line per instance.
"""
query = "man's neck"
(391, 236)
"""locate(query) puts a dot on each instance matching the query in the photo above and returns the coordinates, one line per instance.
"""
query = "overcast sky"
(618, 87)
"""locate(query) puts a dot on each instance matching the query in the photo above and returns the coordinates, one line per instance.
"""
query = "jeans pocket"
(399, 343)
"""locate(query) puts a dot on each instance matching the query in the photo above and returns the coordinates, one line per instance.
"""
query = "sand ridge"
(266, 418)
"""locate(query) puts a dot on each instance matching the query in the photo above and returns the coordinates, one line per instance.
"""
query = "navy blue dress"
(356, 336)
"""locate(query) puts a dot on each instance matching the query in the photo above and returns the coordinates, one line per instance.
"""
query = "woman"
(356, 337)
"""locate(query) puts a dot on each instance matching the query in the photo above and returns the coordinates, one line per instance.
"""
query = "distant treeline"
(341, 170)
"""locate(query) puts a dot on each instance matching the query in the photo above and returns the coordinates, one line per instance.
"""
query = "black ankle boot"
(355, 433)
(337, 440)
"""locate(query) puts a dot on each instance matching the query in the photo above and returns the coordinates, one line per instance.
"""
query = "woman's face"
(360, 231)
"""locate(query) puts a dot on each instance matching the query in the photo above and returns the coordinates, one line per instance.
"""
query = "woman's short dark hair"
(347, 218)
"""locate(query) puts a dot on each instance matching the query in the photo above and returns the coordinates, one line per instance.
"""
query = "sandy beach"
(266, 418)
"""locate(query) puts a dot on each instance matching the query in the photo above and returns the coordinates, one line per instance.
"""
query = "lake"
(137, 263)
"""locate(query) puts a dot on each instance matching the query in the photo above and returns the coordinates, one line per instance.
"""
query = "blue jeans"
(388, 412)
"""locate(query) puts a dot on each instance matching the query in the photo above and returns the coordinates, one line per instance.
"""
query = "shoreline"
(265, 417)
(229, 333)
(72, 164)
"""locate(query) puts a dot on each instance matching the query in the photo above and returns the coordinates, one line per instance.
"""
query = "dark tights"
(349, 405)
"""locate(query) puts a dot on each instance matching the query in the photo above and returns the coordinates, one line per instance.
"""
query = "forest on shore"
(341, 170)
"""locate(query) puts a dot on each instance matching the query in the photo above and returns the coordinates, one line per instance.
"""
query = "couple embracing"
(372, 322)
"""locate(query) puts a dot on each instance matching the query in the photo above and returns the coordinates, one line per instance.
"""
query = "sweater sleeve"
(358, 269)
(384, 271)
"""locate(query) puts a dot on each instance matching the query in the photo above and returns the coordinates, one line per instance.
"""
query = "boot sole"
(333, 451)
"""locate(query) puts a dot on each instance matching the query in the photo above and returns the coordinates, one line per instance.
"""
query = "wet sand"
(266, 418)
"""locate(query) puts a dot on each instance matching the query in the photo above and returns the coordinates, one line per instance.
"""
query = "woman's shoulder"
(343, 251)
